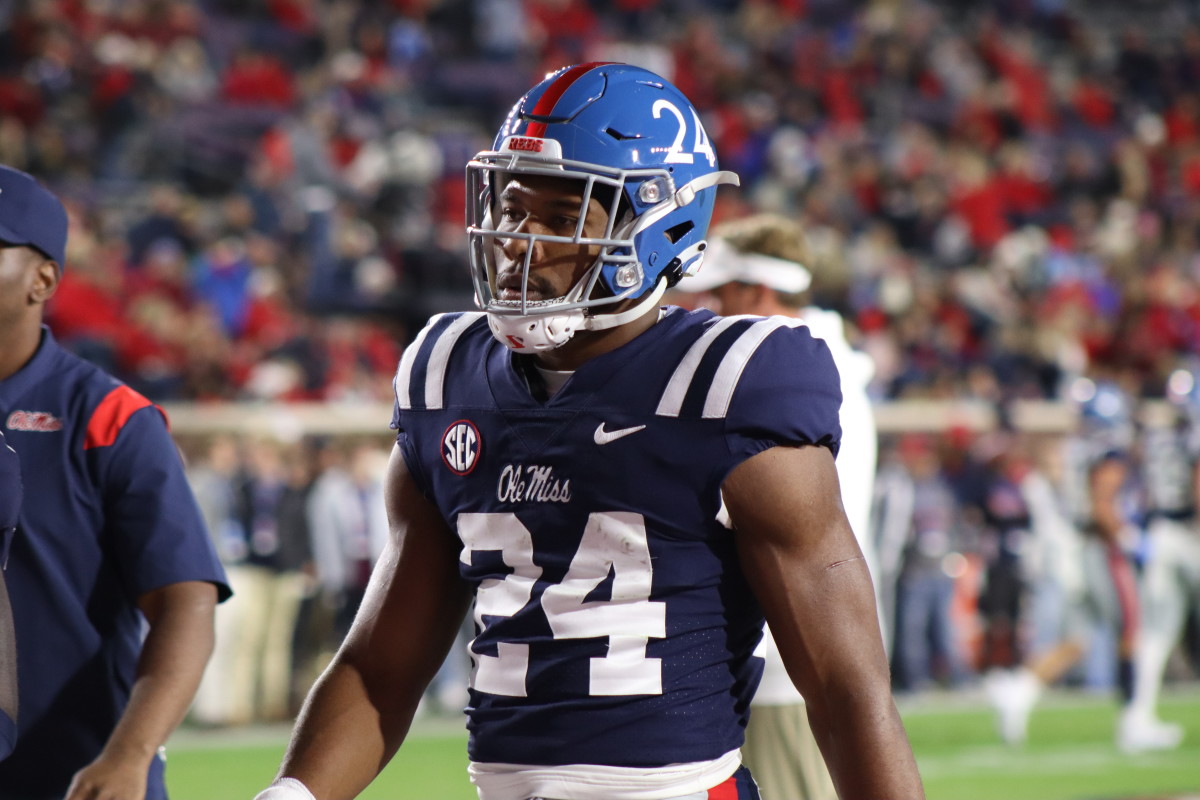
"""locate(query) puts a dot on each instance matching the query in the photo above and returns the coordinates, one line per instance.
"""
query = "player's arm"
(808, 573)
(360, 709)
(177, 646)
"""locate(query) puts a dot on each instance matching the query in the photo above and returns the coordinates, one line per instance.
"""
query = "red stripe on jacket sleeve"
(111, 415)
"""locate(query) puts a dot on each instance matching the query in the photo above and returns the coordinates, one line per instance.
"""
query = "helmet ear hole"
(677, 232)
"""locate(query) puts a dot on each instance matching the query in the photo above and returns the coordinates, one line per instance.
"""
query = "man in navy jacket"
(109, 538)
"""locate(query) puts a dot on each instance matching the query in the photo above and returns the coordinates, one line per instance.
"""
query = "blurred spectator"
(254, 78)
(267, 564)
(213, 474)
(922, 543)
(348, 524)
(222, 279)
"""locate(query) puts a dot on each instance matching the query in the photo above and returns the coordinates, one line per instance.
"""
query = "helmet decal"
(545, 104)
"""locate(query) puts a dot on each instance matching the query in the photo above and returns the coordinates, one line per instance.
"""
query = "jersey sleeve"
(153, 522)
(789, 393)
(416, 468)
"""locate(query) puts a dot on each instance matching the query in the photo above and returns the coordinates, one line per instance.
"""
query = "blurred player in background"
(755, 266)
(1004, 538)
(1170, 584)
(623, 488)
(110, 540)
(10, 505)
(1104, 496)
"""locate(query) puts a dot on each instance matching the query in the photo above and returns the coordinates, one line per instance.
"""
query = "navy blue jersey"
(107, 517)
(614, 625)
(10, 504)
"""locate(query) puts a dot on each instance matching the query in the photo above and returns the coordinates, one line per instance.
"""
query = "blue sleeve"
(788, 394)
(412, 460)
(153, 522)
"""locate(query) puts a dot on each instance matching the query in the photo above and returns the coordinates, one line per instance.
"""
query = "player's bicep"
(806, 568)
(416, 598)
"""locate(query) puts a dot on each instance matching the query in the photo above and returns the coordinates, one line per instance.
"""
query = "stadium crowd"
(1004, 193)
(1001, 197)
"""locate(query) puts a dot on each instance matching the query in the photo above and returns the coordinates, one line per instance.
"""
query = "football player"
(1171, 569)
(1102, 496)
(624, 490)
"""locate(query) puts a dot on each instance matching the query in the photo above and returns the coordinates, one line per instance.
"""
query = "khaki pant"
(249, 676)
(783, 756)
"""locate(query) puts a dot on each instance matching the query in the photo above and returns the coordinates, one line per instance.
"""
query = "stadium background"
(266, 197)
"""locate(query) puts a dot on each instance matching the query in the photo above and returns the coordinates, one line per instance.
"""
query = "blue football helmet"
(637, 145)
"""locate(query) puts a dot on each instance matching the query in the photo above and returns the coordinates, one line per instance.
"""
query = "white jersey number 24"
(613, 542)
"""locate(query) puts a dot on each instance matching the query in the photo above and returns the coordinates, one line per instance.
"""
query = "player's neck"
(777, 309)
(586, 345)
(18, 342)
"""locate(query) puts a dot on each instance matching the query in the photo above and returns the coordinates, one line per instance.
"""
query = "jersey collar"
(510, 390)
(15, 386)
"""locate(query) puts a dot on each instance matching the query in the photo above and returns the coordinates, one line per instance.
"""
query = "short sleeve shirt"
(107, 517)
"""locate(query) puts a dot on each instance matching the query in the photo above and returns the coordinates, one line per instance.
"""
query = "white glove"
(285, 789)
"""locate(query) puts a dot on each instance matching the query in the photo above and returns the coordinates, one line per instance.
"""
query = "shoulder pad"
(420, 381)
(725, 356)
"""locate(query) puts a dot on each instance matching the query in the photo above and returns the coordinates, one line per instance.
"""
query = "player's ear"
(47, 275)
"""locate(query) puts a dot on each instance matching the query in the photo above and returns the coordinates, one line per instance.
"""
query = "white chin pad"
(532, 334)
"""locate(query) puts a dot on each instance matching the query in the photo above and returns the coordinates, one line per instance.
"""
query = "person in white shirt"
(755, 266)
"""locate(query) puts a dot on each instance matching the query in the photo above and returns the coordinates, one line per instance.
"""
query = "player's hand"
(109, 779)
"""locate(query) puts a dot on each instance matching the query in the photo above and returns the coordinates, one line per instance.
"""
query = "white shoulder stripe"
(404, 373)
(681, 380)
(720, 394)
(435, 376)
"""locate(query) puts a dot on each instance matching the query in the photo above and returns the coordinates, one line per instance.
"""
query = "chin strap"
(601, 322)
(687, 193)
(535, 334)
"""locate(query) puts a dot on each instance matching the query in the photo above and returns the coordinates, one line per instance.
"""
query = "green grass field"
(1069, 756)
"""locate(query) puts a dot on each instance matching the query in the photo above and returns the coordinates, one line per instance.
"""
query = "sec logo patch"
(460, 447)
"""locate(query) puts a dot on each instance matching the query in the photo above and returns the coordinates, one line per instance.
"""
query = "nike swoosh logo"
(604, 437)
